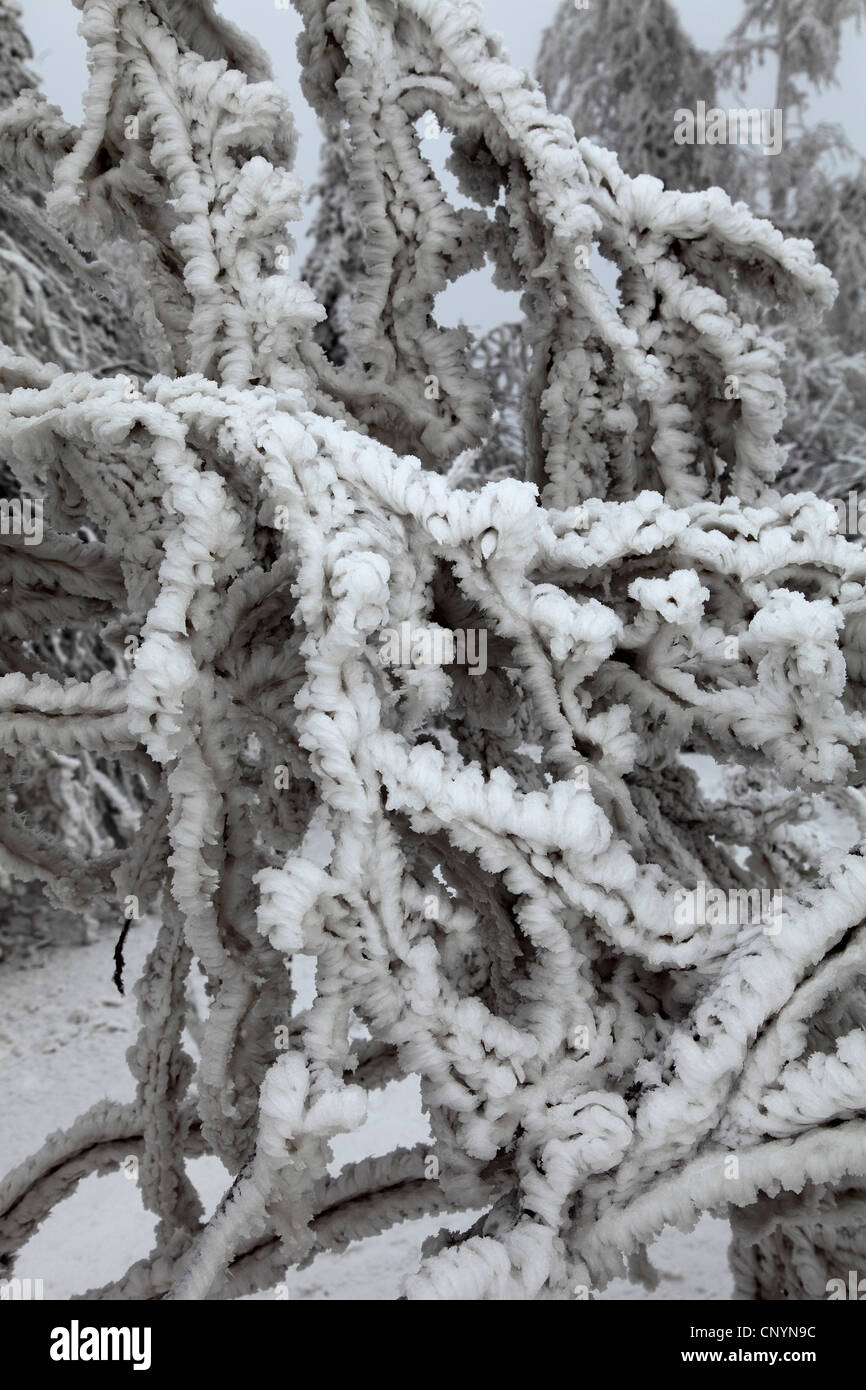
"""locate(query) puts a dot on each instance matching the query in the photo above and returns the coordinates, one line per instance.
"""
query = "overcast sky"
(60, 62)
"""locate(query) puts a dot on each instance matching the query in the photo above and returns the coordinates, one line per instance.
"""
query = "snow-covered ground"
(64, 1031)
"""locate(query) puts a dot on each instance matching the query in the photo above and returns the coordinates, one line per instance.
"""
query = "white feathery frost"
(506, 927)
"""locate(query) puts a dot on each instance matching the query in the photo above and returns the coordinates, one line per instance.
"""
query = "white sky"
(60, 62)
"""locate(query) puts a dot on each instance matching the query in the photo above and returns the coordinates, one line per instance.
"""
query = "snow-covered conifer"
(496, 869)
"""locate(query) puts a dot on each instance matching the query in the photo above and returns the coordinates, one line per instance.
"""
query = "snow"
(63, 1039)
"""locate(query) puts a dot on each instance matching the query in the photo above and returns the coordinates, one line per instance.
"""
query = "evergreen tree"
(501, 873)
(620, 72)
(71, 309)
(814, 189)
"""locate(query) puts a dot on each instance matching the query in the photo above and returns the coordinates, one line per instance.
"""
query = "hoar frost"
(587, 1059)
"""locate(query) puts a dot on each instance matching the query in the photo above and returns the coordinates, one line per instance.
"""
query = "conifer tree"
(609, 983)
(814, 189)
(619, 72)
(70, 309)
